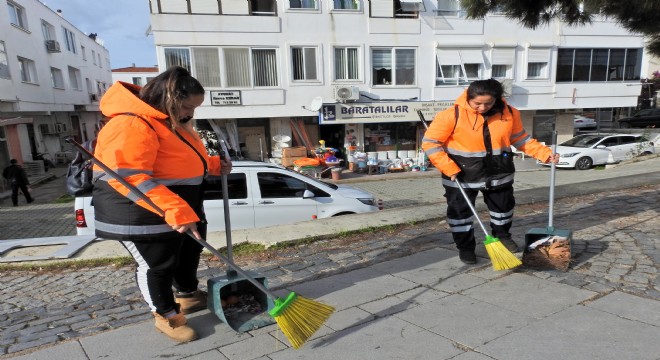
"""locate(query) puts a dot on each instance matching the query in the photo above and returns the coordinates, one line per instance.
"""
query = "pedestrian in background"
(17, 179)
(150, 141)
(471, 142)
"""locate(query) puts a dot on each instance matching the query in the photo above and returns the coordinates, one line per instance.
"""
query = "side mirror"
(308, 194)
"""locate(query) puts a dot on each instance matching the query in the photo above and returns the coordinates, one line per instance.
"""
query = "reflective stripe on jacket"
(456, 146)
(142, 148)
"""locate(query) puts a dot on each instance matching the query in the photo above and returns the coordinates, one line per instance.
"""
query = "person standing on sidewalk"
(151, 142)
(17, 178)
(471, 142)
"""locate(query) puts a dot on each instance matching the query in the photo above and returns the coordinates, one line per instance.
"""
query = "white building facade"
(354, 72)
(52, 76)
(138, 75)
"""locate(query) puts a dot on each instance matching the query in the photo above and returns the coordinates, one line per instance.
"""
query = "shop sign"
(379, 112)
(226, 97)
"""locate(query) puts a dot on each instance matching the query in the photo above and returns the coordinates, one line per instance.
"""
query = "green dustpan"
(536, 234)
(246, 315)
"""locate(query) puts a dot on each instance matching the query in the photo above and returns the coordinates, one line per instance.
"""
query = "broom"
(298, 317)
(500, 256)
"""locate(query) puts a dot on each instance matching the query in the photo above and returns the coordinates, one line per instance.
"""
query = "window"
(396, 8)
(303, 63)
(347, 63)
(48, 30)
(93, 57)
(177, 57)
(4, 63)
(74, 78)
(99, 57)
(263, 7)
(137, 81)
(236, 187)
(449, 8)
(458, 66)
(537, 63)
(393, 66)
(17, 15)
(250, 67)
(88, 83)
(70, 40)
(57, 78)
(84, 52)
(503, 60)
(274, 185)
(149, 78)
(302, 4)
(207, 66)
(28, 70)
(346, 4)
(587, 65)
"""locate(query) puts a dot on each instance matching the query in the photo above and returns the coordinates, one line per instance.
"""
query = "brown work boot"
(176, 327)
(191, 302)
(510, 245)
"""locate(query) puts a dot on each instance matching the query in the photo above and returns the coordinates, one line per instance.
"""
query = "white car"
(263, 194)
(583, 122)
(586, 150)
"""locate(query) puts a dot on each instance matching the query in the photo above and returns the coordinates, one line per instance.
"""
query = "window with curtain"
(537, 63)
(28, 70)
(303, 63)
(207, 66)
(346, 63)
(57, 78)
(74, 78)
(591, 65)
(502, 60)
(458, 66)
(346, 4)
(177, 57)
(393, 66)
(302, 4)
(245, 67)
(4, 63)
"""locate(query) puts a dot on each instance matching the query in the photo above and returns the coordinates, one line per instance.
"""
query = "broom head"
(500, 256)
(299, 317)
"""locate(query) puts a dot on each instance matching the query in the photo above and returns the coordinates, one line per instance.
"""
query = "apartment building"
(355, 72)
(138, 75)
(52, 76)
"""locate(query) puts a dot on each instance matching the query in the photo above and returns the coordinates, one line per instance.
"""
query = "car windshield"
(583, 141)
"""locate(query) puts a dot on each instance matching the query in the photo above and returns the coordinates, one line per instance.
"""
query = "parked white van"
(263, 194)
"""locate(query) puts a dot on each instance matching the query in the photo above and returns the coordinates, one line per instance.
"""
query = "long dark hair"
(490, 87)
(167, 91)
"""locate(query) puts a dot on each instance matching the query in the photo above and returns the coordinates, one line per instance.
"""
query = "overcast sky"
(121, 24)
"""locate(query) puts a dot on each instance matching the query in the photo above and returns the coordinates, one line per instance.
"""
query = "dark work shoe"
(467, 256)
(510, 245)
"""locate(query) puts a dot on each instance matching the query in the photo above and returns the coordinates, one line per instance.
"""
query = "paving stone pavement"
(616, 246)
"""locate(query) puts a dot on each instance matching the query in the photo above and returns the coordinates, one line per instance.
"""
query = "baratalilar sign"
(350, 113)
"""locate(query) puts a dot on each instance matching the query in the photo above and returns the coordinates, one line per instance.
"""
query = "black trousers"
(500, 203)
(14, 193)
(166, 263)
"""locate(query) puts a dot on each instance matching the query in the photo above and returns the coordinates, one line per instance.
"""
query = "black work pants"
(164, 263)
(500, 203)
(14, 193)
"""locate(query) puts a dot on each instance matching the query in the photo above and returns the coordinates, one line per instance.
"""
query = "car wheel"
(584, 163)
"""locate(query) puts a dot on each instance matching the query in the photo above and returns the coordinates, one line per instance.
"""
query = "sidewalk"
(399, 294)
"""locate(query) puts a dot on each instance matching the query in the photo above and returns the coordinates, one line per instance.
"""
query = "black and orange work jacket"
(140, 146)
(462, 141)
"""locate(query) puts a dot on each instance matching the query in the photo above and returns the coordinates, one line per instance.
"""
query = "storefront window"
(390, 136)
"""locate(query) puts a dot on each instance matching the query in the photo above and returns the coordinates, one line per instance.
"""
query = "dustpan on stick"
(541, 239)
(233, 298)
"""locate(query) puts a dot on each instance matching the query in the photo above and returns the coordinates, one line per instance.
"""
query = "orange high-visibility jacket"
(140, 146)
(456, 146)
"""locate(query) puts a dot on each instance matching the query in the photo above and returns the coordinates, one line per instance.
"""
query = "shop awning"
(15, 121)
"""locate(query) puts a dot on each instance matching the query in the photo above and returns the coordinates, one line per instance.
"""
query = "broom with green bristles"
(500, 256)
(298, 317)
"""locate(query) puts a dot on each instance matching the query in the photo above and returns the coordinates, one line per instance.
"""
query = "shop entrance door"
(334, 138)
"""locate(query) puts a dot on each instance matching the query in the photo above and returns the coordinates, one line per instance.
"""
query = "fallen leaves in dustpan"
(553, 252)
(244, 303)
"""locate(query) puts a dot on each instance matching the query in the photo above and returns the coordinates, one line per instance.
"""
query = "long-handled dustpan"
(233, 298)
(536, 236)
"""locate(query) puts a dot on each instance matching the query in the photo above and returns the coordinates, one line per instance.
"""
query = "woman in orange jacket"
(472, 142)
(151, 143)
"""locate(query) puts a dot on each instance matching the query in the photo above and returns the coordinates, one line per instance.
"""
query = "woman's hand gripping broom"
(500, 256)
(298, 317)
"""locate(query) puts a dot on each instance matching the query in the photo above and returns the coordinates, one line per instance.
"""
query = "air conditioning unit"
(52, 46)
(507, 85)
(47, 129)
(93, 97)
(60, 128)
(343, 93)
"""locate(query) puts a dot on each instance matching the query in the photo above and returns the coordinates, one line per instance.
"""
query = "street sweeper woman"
(471, 142)
(151, 143)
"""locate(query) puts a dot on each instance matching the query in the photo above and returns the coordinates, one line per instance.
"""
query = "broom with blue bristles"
(500, 256)
(298, 317)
